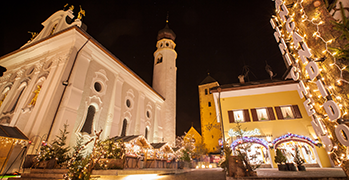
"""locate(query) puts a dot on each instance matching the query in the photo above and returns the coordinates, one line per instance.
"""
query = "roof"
(248, 85)
(166, 33)
(94, 42)
(157, 145)
(208, 80)
(125, 138)
(11, 132)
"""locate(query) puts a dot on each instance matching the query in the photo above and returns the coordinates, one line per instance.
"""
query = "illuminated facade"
(64, 76)
(210, 127)
(309, 38)
(271, 116)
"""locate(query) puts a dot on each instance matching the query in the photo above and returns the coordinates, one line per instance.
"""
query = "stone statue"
(81, 13)
(34, 34)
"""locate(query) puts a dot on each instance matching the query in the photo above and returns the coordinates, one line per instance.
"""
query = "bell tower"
(165, 80)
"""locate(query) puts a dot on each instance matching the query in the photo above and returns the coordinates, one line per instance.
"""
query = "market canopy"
(162, 147)
(12, 132)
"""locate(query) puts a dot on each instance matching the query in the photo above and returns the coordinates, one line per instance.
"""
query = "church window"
(128, 103)
(167, 44)
(146, 133)
(89, 120)
(206, 92)
(4, 94)
(30, 71)
(16, 98)
(124, 126)
(98, 86)
(148, 114)
(209, 104)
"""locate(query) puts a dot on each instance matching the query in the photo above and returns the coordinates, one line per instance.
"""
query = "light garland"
(324, 103)
(294, 137)
(243, 140)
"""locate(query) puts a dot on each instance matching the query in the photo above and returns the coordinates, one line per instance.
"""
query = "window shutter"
(231, 116)
(271, 113)
(246, 116)
(297, 113)
(278, 112)
(254, 114)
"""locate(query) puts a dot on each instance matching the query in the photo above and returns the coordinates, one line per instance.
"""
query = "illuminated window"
(288, 112)
(263, 114)
(239, 116)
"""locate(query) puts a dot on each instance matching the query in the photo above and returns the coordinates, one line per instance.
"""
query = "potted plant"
(280, 160)
(299, 160)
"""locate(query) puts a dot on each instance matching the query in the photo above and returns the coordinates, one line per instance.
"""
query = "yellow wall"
(192, 133)
(210, 128)
(276, 127)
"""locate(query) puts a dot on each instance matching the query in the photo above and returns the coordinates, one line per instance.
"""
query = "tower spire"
(167, 17)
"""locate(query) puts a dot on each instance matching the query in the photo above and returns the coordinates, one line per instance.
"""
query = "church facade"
(64, 76)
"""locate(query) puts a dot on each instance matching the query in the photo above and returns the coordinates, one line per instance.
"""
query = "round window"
(98, 86)
(128, 103)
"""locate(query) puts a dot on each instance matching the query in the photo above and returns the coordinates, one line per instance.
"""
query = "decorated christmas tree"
(56, 150)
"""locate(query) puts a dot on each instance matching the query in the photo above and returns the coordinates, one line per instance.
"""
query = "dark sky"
(216, 37)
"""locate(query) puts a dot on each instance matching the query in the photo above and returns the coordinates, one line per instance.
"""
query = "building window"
(159, 58)
(89, 120)
(209, 104)
(288, 112)
(262, 114)
(11, 108)
(206, 92)
(239, 116)
(124, 126)
(146, 133)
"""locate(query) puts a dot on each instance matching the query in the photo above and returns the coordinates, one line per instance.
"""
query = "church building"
(64, 76)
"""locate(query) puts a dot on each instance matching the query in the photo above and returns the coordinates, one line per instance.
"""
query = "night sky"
(216, 37)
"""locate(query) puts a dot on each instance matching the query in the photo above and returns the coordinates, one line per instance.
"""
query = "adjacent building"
(210, 126)
(271, 116)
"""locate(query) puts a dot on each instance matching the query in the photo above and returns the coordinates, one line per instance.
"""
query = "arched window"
(11, 108)
(4, 94)
(146, 133)
(124, 126)
(89, 120)
(206, 92)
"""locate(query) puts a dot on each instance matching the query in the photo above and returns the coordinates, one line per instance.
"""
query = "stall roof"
(157, 145)
(11, 132)
(125, 138)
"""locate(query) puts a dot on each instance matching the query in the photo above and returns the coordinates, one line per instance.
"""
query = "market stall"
(136, 147)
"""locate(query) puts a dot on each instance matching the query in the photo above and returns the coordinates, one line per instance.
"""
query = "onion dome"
(166, 33)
